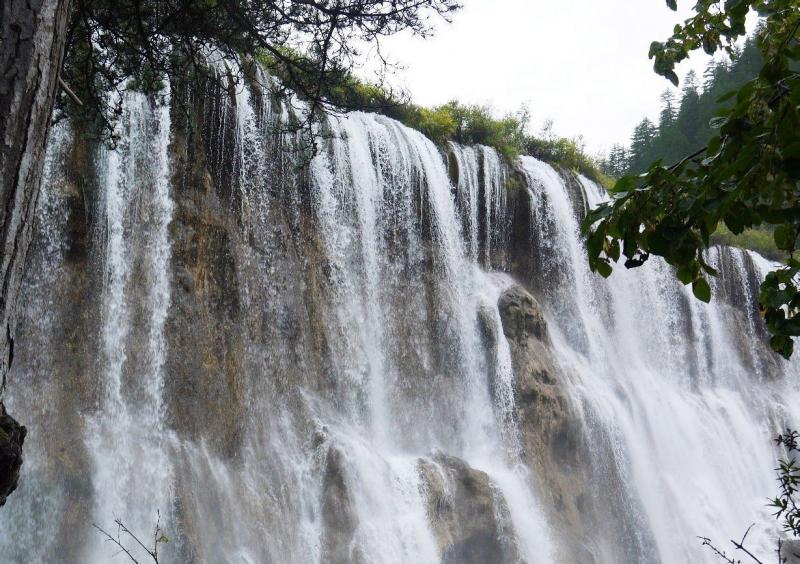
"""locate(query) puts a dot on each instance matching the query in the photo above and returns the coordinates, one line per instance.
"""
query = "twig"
(69, 92)
(740, 545)
(116, 541)
(707, 542)
(158, 537)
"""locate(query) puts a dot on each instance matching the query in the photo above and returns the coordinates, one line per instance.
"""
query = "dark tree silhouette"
(313, 45)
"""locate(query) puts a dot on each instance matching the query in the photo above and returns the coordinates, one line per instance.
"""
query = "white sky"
(581, 63)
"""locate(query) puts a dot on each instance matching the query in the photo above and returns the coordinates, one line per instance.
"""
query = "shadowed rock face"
(12, 436)
(468, 514)
(550, 427)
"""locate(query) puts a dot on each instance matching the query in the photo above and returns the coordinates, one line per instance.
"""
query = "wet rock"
(338, 514)
(204, 334)
(550, 428)
(12, 435)
(521, 315)
(469, 516)
(186, 280)
(548, 422)
(579, 487)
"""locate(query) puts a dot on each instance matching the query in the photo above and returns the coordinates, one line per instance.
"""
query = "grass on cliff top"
(476, 125)
(468, 124)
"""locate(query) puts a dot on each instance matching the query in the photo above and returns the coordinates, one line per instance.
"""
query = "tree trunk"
(32, 36)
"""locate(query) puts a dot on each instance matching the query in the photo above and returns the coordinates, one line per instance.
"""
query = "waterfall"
(132, 474)
(385, 351)
(688, 424)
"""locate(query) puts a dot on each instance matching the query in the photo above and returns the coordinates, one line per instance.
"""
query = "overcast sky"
(581, 63)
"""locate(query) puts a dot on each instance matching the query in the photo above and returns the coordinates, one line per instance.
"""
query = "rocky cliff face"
(379, 354)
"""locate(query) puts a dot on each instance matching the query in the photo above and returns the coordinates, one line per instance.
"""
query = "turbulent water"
(316, 361)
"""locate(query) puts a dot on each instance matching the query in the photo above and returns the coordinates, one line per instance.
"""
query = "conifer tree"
(668, 110)
(641, 143)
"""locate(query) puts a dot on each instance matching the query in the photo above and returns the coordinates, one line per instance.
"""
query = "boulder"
(575, 485)
(548, 422)
(338, 515)
(550, 427)
(521, 316)
(468, 515)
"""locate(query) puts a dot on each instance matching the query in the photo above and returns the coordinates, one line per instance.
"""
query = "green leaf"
(784, 237)
(672, 5)
(685, 274)
(624, 184)
(603, 268)
(673, 78)
(717, 122)
(792, 151)
(612, 249)
(701, 290)
(782, 345)
(714, 145)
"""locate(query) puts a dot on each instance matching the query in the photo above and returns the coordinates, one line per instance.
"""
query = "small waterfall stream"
(312, 361)
(129, 441)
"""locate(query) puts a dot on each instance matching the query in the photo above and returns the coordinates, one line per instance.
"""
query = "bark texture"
(32, 37)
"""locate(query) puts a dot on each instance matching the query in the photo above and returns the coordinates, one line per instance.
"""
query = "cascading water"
(665, 388)
(380, 169)
(312, 361)
(128, 440)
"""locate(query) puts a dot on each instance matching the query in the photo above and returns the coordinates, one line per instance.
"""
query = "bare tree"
(123, 533)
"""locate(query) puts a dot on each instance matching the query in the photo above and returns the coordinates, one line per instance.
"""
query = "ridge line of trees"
(684, 119)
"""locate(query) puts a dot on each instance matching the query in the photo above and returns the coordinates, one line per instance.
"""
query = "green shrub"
(468, 124)
(760, 240)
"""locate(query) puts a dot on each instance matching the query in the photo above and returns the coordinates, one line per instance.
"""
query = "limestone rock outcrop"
(468, 515)
(549, 425)
(337, 511)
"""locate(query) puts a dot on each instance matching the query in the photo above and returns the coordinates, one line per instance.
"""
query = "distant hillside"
(683, 125)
